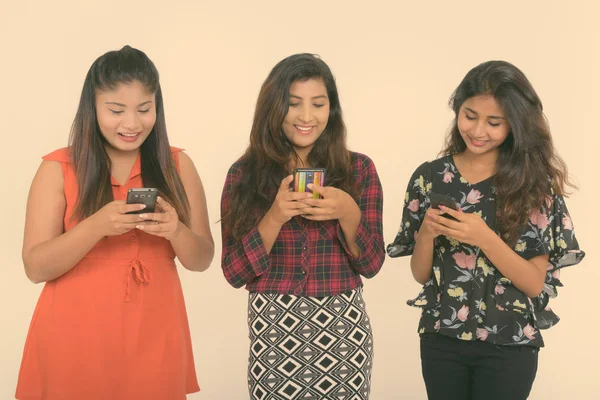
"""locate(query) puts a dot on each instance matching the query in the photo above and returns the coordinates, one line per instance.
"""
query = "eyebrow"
(313, 98)
(123, 105)
(490, 116)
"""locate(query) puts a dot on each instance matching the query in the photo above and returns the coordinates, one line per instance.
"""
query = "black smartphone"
(304, 176)
(145, 196)
(445, 200)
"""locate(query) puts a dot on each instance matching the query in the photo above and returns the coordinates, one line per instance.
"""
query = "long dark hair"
(267, 159)
(91, 161)
(528, 170)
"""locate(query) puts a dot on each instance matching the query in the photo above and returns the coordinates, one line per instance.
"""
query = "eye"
(467, 116)
(318, 105)
(495, 125)
(144, 111)
(294, 104)
(116, 112)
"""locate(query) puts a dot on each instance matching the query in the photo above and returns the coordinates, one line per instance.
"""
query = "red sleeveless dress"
(115, 326)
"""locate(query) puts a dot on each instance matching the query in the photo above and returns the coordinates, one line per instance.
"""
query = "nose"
(480, 128)
(306, 115)
(131, 121)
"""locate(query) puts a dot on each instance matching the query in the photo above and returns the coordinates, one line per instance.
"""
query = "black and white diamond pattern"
(306, 348)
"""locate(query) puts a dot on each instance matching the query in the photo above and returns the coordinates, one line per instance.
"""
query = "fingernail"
(310, 185)
(142, 206)
(142, 216)
(141, 227)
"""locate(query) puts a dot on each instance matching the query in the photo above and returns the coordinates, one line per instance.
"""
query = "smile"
(304, 130)
(477, 142)
(129, 137)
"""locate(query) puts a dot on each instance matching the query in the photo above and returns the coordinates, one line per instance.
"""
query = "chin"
(125, 146)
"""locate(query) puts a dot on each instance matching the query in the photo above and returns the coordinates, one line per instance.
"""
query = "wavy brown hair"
(528, 170)
(267, 159)
(87, 145)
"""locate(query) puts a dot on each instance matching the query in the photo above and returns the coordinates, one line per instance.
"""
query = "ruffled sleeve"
(550, 231)
(416, 202)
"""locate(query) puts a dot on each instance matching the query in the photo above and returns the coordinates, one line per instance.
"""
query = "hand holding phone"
(145, 196)
(305, 176)
(438, 200)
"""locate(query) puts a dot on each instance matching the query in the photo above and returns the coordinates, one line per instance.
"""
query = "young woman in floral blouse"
(301, 258)
(488, 275)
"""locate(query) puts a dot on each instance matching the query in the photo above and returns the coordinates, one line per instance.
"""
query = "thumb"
(285, 183)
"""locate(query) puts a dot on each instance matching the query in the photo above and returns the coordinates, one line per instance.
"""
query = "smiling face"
(126, 115)
(307, 115)
(482, 124)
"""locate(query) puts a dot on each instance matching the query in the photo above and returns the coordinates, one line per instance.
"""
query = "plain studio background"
(396, 64)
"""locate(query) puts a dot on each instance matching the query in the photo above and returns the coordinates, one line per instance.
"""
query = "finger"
(151, 228)
(129, 219)
(285, 183)
(298, 205)
(163, 204)
(443, 230)
(126, 208)
(158, 217)
(446, 222)
(317, 211)
(315, 187)
(316, 202)
(434, 211)
(295, 196)
(127, 226)
(458, 215)
(316, 217)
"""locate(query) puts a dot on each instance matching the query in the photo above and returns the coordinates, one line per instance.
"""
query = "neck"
(481, 161)
(301, 159)
(119, 156)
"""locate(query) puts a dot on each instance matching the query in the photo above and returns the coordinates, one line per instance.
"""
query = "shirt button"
(304, 248)
(303, 272)
(133, 239)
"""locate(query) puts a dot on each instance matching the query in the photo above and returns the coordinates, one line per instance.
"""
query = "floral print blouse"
(467, 297)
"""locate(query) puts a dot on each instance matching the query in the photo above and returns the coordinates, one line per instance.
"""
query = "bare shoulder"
(185, 161)
(50, 176)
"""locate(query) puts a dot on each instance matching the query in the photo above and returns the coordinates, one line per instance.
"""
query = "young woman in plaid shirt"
(301, 258)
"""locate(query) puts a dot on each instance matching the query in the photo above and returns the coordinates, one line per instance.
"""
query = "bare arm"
(421, 261)
(48, 252)
(194, 245)
(526, 275)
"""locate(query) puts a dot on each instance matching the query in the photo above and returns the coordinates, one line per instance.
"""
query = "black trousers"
(455, 369)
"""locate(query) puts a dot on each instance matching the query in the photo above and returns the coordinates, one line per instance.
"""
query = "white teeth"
(306, 129)
(129, 134)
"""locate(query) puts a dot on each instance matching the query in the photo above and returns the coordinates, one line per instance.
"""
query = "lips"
(304, 129)
(478, 143)
(129, 137)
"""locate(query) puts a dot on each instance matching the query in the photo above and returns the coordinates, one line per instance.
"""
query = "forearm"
(195, 252)
(525, 275)
(53, 258)
(269, 230)
(421, 261)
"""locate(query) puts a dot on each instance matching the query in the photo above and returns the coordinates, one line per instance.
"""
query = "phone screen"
(304, 176)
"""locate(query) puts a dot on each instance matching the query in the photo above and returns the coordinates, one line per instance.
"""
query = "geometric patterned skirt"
(309, 347)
